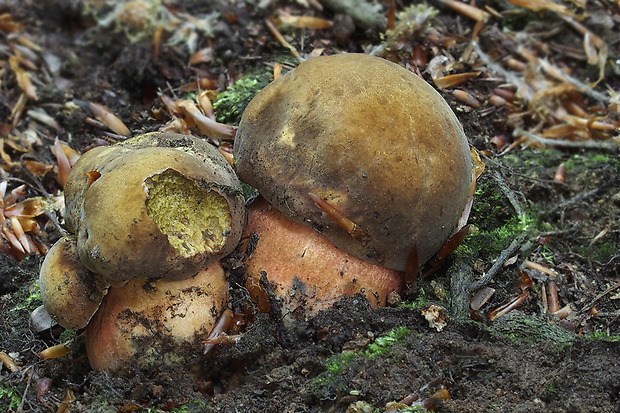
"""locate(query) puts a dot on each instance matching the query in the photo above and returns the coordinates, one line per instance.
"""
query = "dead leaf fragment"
(436, 316)
(452, 80)
(109, 119)
(23, 78)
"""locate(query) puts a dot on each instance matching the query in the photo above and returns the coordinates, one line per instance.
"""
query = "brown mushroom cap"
(373, 140)
(153, 325)
(71, 293)
(159, 205)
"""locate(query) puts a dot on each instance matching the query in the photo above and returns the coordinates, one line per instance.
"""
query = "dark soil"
(350, 358)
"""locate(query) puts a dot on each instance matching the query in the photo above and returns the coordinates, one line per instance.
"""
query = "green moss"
(338, 364)
(544, 161)
(495, 224)
(9, 399)
(333, 376)
(519, 327)
(67, 336)
(421, 301)
(230, 104)
(490, 209)
(383, 344)
(490, 243)
(586, 160)
(249, 193)
(31, 298)
(601, 251)
(604, 336)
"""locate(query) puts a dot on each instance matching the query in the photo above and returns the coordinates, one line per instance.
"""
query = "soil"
(350, 358)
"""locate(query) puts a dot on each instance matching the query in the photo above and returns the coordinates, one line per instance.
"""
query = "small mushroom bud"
(150, 326)
(363, 151)
(70, 292)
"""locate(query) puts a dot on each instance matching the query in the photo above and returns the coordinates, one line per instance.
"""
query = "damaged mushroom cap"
(374, 141)
(306, 272)
(71, 293)
(150, 326)
(158, 205)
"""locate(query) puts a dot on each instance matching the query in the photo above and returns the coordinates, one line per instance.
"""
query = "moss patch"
(338, 364)
(231, 103)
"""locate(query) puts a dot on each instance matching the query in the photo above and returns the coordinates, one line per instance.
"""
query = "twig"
(507, 253)
(509, 193)
(21, 405)
(486, 59)
(276, 33)
(582, 196)
(589, 144)
(598, 297)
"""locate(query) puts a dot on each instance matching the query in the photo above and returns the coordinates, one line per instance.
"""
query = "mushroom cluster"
(143, 213)
(363, 151)
(362, 167)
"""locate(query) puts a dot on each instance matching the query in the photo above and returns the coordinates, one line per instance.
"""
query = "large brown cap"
(373, 140)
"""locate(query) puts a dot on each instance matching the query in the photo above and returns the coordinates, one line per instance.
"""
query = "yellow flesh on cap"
(194, 220)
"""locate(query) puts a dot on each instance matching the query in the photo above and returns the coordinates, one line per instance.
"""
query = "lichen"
(412, 23)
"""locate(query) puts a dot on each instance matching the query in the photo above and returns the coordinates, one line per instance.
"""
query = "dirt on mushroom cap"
(369, 137)
(157, 325)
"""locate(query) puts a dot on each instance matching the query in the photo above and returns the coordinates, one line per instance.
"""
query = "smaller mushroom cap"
(70, 292)
(158, 205)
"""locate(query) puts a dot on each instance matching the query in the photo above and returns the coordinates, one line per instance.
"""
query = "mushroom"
(156, 207)
(305, 269)
(71, 293)
(148, 326)
(363, 151)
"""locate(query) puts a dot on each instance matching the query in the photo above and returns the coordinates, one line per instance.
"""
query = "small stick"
(577, 198)
(506, 308)
(276, 33)
(553, 302)
(598, 297)
(589, 144)
(340, 219)
(508, 193)
(507, 253)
